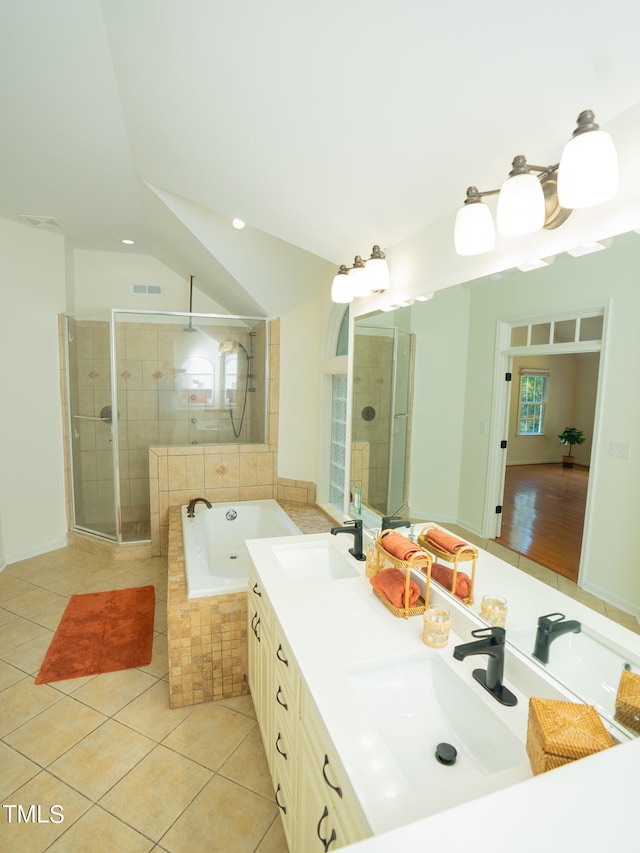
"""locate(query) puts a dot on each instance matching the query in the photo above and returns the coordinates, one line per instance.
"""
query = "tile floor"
(129, 773)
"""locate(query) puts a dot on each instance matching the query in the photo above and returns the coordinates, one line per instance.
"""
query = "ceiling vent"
(39, 221)
(146, 289)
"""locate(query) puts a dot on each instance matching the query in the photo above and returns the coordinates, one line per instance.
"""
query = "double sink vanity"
(358, 715)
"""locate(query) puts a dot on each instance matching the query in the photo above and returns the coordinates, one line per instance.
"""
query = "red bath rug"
(101, 632)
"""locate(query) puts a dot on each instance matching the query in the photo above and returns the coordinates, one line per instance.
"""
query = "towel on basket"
(392, 583)
(444, 575)
(445, 541)
(399, 546)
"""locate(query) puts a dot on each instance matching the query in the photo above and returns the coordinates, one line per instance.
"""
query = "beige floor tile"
(159, 665)
(99, 832)
(571, 589)
(627, 620)
(222, 817)
(102, 759)
(150, 713)
(160, 616)
(504, 553)
(539, 572)
(43, 790)
(29, 656)
(210, 734)
(247, 765)
(9, 675)
(112, 691)
(241, 704)
(23, 701)
(15, 771)
(19, 631)
(50, 616)
(274, 841)
(12, 587)
(6, 617)
(156, 792)
(71, 685)
(34, 599)
(55, 730)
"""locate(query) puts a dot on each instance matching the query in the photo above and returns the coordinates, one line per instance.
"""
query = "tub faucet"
(390, 522)
(491, 642)
(191, 506)
(550, 627)
(354, 527)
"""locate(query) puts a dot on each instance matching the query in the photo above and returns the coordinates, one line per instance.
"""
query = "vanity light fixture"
(425, 298)
(535, 197)
(362, 279)
(535, 264)
(588, 248)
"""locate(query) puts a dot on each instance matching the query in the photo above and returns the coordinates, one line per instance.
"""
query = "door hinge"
(498, 509)
(507, 377)
(503, 444)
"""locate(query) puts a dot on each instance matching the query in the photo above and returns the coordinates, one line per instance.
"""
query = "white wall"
(32, 294)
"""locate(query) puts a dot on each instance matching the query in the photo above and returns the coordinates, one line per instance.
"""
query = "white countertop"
(335, 626)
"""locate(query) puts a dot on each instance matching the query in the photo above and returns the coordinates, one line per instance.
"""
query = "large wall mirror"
(457, 416)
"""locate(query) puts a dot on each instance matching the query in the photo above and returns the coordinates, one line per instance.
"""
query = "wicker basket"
(628, 700)
(561, 732)
(421, 561)
(467, 554)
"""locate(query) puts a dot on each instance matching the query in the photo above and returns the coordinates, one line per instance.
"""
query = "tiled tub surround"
(207, 637)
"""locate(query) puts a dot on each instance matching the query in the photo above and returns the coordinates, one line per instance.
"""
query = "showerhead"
(230, 346)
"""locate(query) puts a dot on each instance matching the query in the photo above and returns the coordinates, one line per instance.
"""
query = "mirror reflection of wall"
(382, 396)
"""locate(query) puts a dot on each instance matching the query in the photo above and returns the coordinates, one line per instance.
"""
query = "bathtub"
(215, 555)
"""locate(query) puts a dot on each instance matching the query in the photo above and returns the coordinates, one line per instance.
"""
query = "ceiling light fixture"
(535, 197)
(238, 224)
(362, 279)
(128, 242)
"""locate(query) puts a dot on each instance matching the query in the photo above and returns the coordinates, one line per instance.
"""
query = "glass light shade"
(359, 283)
(474, 232)
(377, 272)
(520, 206)
(341, 288)
(588, 171)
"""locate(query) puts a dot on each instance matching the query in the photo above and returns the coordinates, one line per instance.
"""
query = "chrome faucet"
(390, 522)
(491, 642)
(354, 527)
(549, 628)
(191, 506)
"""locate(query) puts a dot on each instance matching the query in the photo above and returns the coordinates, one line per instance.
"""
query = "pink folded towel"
(445, 541)
(399, 546)
(444, 576)
(391, 583)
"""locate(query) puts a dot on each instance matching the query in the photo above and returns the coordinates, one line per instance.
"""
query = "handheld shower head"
(230, 346)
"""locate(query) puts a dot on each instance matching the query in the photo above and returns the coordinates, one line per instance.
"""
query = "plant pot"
(567, 461)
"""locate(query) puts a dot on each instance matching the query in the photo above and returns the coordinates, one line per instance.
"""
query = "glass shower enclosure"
(137, 379)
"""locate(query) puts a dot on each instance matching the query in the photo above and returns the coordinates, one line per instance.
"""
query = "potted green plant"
(570, 436)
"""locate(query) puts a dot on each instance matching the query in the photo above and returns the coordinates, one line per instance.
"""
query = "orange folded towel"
(445, 541)
(399, 546)
(444, 576)
(391, 583)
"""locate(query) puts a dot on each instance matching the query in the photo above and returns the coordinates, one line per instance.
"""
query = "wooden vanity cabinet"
(317, 804)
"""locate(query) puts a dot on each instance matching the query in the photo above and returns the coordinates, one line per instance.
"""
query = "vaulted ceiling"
(327, 125)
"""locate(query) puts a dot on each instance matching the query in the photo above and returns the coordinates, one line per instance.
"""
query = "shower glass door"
(91, 427)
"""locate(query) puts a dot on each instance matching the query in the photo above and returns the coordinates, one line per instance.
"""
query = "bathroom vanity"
(352, 707)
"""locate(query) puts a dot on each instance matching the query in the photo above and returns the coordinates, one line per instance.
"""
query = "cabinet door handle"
(280, 657)
(256, 590)
(279, 804)
(326, 842)
(279, 701)
(333, 787)
(255, 624)
(282, 753)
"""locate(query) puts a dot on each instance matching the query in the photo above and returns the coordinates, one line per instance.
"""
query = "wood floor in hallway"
(543, 514)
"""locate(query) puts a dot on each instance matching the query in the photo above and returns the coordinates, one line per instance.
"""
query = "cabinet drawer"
(284, 797)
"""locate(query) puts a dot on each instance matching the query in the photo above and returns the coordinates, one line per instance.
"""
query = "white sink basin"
(310, 562)
(588, 667)
(410, 705)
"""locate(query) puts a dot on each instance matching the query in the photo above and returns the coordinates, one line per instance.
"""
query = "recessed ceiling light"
(128, 242)
(238, 224)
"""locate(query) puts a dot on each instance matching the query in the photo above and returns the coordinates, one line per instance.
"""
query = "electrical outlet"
(621, 449)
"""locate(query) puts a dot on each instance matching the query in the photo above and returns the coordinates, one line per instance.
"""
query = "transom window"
(533, 396)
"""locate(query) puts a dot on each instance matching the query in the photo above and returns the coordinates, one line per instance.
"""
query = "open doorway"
(544, 500)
